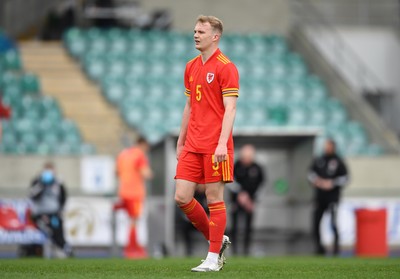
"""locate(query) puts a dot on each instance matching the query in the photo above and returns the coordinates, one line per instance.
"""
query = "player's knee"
(182, 199)
(212, 200)
(213, 196)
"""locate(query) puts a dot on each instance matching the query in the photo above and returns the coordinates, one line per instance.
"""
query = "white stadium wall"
(237, 15)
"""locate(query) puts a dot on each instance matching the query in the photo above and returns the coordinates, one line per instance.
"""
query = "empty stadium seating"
(37, 125)
(141, 73)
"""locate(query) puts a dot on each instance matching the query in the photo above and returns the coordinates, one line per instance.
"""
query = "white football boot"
(208, 265)
(225, 245)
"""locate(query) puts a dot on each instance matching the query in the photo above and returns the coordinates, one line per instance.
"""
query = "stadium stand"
(277, 89)
(37, 124)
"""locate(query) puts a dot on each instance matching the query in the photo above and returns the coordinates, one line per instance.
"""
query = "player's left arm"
(227, 125)
(144, 168)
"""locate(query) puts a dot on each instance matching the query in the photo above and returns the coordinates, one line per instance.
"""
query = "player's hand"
(220, 153)
(245, 201)
(318, 182)
(179, 149)
(327, 184)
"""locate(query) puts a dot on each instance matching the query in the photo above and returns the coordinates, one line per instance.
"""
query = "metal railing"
(361, 77)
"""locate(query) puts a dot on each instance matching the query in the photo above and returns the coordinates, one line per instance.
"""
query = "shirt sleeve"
(312, 172)
(342, 178)
(186, 82)
(229, 80)
(142, 162)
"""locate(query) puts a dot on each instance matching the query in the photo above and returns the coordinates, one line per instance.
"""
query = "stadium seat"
(73, 138)
(9, 78)
(96, 69)
(68, 127)
(50, 138)
(30, 84)
(75, 42)
(136, 66)
(12, 61)
(29, 139)
(115, 67)
(133, 117)
(277, 116)
(297, 92)
(114, 92)
(295, 65)
(63, 149)
(317, 116)
(9, 138)
(86, 149)
(241, 118)
(173, 118)
(257, 117)
(118, 46)
(276, 93)
(24, 125)
(297, 116)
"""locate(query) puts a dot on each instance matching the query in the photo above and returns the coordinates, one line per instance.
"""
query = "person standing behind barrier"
(48, 196)
(328, 174)
(133, 170)
(249, 177)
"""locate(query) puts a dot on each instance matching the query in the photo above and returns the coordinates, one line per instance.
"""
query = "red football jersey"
(206, 85)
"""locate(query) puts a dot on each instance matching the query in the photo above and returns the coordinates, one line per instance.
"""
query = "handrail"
(367, 81)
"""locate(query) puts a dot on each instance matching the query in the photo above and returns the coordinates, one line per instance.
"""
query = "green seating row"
(47, 149)
(78, 42)
(98, 67)
(44, 136)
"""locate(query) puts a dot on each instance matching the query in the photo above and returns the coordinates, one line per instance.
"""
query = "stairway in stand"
(80, 99)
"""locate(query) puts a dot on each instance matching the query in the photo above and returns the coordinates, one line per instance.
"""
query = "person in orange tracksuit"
(133, 170)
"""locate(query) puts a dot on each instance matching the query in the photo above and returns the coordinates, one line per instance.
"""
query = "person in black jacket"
(249, 177)
(328, 175)
(48, 197)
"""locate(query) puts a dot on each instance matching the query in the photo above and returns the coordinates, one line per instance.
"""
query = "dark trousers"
(236, 214)
(319, 209)
(52, 226)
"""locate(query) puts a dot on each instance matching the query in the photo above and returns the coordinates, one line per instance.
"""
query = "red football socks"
(196, 214)
(217, 225)
(132, 242)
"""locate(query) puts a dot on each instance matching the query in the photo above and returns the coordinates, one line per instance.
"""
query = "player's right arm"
(184, 125)
(146, 171)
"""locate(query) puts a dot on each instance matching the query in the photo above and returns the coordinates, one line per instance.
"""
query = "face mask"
(47, 177)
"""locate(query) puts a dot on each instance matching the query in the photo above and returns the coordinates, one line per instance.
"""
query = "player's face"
(329, 148)
(204, 36)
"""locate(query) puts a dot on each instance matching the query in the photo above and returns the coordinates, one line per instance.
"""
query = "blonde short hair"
(215, 22)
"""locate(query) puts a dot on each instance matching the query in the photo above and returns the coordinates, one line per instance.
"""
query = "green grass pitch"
(248, 268)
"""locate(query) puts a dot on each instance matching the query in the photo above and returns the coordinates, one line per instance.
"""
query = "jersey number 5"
(198, 92)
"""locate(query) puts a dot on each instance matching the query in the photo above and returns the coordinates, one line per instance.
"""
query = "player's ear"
(216, 36)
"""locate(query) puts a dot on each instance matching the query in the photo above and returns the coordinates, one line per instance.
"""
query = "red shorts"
(133, 207)
(200, 168)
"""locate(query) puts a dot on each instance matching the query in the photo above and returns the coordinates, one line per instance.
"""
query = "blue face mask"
(47, 177)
